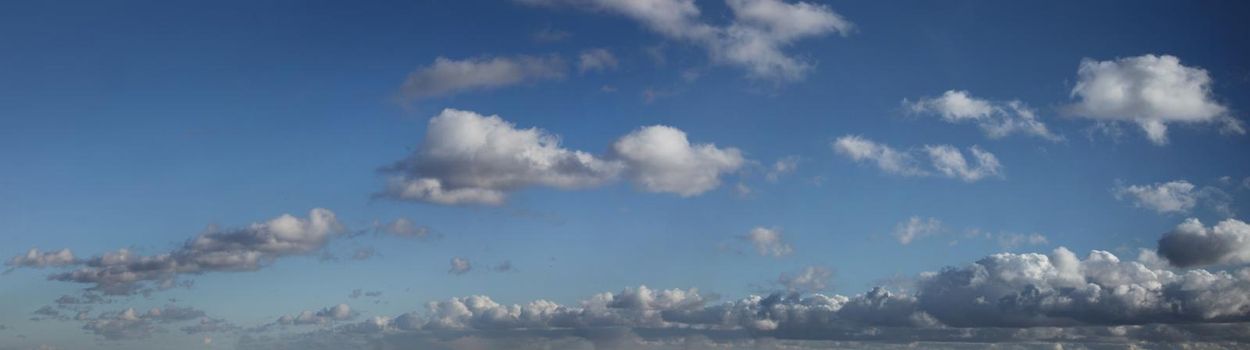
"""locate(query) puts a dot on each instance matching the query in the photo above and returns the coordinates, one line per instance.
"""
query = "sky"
(623, 174)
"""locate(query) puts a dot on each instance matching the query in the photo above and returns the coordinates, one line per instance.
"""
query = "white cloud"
(1151, 91)
(886, 158)
(468, 158)
(448, 76)
(340, 312)
(460, 266)
(1170, 197)
(950, 162)
(916, 227)
(1192, 244)
(596, 60)
(402, 227)
(809, 279)
(782, 167)
(944, 160)
(661, 159)
(754, 39)
(1014, 240)
(996, 119)
(769, 242)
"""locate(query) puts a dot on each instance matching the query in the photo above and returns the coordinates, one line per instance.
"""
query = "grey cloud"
(244, 249)
(449, 76)
(1192, 244)
(460, 266)
(38, 259)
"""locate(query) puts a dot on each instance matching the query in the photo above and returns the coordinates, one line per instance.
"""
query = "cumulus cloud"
(1192, 244)
(1173, 197)
(449, 76)
(460, 266)
(943, 160)
(768, 242)
(596, 60)
(755, 38)
(1151, 91)
(916, 227)
(131, 324)
(243, 249)
(468, 158)
(661, 159)
(996, 119)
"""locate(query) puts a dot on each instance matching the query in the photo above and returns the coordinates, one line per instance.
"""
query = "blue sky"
(143, 125)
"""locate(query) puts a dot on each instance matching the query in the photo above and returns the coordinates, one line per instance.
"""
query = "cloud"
(598, 59)
(944, 160)
(754, 39)
(1151, 91)
(460, 266)
(448, 76)
(768, 242)
(1170, 197)
(1192, 244)
(340, 312)
(1178, 196)
(782, 167)
(1015, 240)
(129, 324)
(661, 159)
(809, 279)
(404, 228)
(996, 119)
(37, 259)
(916, 227)
(243, 249)
(468, 158)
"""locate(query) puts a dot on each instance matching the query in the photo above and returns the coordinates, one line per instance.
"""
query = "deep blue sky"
(136, 124)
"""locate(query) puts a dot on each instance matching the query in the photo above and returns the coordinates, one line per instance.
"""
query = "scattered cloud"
(944, 160)
(244, 249)
(460, 266)
(404, 228)
(449, 76)
(996, 119)
(754, 39)
(328, 315)
(37, 259)
(809, 279)
(598, 59)
(1151, 91)
(782, 167)
(468, 158)
(915, 228)
(1175, 197)
(1015, 240)
(768, 242)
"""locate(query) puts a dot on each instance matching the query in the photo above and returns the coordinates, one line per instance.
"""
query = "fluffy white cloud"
(950, 162)
(945, 160)
(916, 227)
(468, 158)
(768, 242)
(661, 159)
(1192, 244)
(244, 249)
(448, 76)
(885, 157)
(596, 60)
(340, 312)
(37, 259)
(1170, 197)
(460, 266)
(1149, 90)
(996, 119)
(754, 39)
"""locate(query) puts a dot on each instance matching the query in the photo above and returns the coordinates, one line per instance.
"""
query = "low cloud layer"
(754, 39)
(450, 76)
(244, 249)
(1150, 91)
(469, 158)
(996, 119)
(943, 160)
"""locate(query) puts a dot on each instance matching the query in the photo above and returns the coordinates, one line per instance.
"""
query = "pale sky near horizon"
(623, 174)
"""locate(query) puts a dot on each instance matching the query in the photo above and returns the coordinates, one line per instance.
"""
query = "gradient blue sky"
(137, 124)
